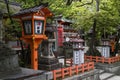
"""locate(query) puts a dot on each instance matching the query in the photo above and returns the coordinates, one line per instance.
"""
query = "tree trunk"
(92, 48)
(9, 14)
(8, 10)
(117, 46)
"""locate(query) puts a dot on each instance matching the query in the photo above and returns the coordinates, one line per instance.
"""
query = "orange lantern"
(33, 22)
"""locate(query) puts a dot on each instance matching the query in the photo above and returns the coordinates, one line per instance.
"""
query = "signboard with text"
(76, 57)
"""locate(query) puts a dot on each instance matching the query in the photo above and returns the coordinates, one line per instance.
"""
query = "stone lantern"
(78, 50)
(33, 21)
(47, 59)
(105, 52)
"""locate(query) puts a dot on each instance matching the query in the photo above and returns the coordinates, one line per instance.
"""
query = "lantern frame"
(30, 15)
(28, 23)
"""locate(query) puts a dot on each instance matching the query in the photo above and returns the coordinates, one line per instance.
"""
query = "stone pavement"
(108, 76)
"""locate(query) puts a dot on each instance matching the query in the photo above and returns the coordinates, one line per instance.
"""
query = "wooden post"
(93, 65)
(82, 68)
(103, 60)
(34, 56)
(76, 69)
(63, 73)
(109, 60)
(88, 65)
(90, 58)
(96, 58)
(54, 74)
(119, 58)
(70, 71)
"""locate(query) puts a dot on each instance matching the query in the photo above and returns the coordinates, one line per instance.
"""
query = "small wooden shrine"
(65, 30)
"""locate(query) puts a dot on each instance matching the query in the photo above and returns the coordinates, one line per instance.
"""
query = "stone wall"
(8, 61)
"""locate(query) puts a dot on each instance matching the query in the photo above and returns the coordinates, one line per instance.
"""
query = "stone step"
(108, 76)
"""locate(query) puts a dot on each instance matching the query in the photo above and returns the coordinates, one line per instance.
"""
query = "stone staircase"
(108, 76)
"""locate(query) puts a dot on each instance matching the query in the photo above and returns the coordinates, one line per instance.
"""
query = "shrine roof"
(31, 10)
(76, 40)
(65, 20)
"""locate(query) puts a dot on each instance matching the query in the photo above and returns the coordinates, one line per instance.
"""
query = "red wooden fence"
(73, 70)
(102, 59)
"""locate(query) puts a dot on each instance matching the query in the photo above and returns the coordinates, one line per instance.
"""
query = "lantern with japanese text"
(78, 50)
(105, 52)
(33, 22)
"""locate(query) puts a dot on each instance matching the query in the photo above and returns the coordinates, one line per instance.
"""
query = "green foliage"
(83, 12)
(2, 7)
(11, 31)
(107, 18)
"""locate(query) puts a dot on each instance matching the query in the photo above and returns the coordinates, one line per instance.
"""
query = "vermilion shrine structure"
(33, 22)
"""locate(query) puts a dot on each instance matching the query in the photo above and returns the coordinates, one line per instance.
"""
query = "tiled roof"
(31, 10)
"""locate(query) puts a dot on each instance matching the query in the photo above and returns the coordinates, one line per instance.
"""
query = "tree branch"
(88, 3)
(69, 2)
(97, 5)
(8, 10)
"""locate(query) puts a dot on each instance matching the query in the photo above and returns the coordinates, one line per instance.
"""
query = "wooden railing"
(73, 70)
(102, 59)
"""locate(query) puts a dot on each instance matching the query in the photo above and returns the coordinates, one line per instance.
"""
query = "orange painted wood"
(63, 74)
(54, 74)
(90, 58)
(102, 59)
(70, 71)
(96, 58)
(82, 68)
(33, 39)
(112, 43)
(79, 68)
(74, 69)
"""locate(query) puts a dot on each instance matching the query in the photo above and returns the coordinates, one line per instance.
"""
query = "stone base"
(90, 75)
(28, 74)
(113, 68)
(48, 61)
(50, 67)
(9, 65)
(49, 64)
(11, 72)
